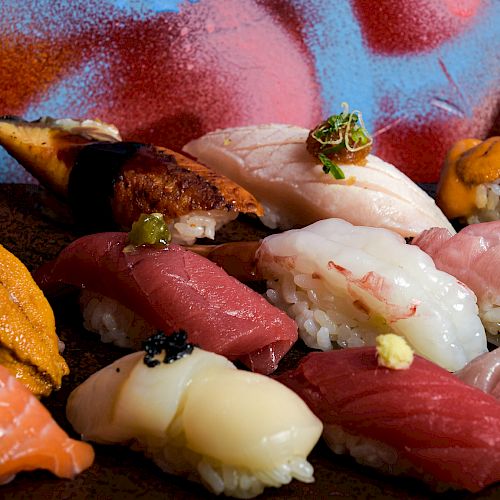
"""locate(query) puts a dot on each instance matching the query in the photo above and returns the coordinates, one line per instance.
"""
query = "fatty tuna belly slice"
(473, 256)
(174, 289)
(272, 162)
(423, 421)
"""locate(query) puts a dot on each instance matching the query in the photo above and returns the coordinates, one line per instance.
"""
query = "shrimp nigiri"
(346, 284)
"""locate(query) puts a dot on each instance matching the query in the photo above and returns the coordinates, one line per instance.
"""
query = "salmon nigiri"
(31, 439)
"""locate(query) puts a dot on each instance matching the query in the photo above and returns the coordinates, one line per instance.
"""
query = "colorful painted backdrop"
(424, 72)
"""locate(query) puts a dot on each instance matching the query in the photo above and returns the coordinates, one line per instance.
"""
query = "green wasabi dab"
(150, 229)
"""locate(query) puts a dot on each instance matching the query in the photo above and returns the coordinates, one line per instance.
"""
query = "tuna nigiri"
(197, 416)
(30, 439)
(273, 163)
(172, 288)
(473, 256)
(423, 420)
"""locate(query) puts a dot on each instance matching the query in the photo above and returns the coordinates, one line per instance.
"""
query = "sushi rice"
(487, 202)
(114, 322)
(186, 229)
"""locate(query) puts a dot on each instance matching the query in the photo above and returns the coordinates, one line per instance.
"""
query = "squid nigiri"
(30, 438)
(170, 288)
(473, 256)
(469, 184)
(109, 183)
(421, 421)
(346, 284)
(196, 415)
(273, 163)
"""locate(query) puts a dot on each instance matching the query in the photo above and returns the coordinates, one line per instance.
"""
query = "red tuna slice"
(472, 256)
(173, 288)
(439, 426)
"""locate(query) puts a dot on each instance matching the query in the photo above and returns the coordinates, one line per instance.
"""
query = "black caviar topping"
(174, 345)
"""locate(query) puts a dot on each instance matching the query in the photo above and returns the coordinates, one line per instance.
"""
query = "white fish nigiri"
(198, 416)
(272, 162)
(347, 284)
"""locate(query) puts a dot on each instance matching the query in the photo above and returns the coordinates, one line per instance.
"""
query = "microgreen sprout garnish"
(342, 138)
(174, 345)
(331, 168)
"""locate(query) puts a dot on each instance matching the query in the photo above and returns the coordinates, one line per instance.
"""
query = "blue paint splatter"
(416, 83)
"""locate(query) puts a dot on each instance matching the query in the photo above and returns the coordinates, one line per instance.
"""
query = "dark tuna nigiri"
(422, 420)
(175, 289)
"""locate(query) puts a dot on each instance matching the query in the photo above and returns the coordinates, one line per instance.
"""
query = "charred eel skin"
(109, 183)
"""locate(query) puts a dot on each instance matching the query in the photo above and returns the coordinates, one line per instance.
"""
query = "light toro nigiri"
(109, 183)
(31, 439)
(272, 162)
(483, 372)
(473, 256)
(421, 421)
(196, 415)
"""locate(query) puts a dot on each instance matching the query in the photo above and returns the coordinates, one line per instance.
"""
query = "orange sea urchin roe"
(28, 340)
(454, 196)
(481, 163)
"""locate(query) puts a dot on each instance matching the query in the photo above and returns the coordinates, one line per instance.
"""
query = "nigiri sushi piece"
(109, 183)
(29, 346)
(483, 372)
(273, 163)
(346, 284)
(171, 288)
(31, 439)
(469, 184)
(473, 256)
(421, 421)
(196, 415)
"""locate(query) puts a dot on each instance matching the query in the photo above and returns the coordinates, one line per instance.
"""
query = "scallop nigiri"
(196, 415)
(421, 421)
(273, 163)
(31, 439)
(473, 256)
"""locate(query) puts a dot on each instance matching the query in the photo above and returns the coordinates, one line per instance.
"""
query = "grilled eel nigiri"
(109, 183)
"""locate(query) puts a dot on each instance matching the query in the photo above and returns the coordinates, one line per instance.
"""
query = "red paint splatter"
(396, 27)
